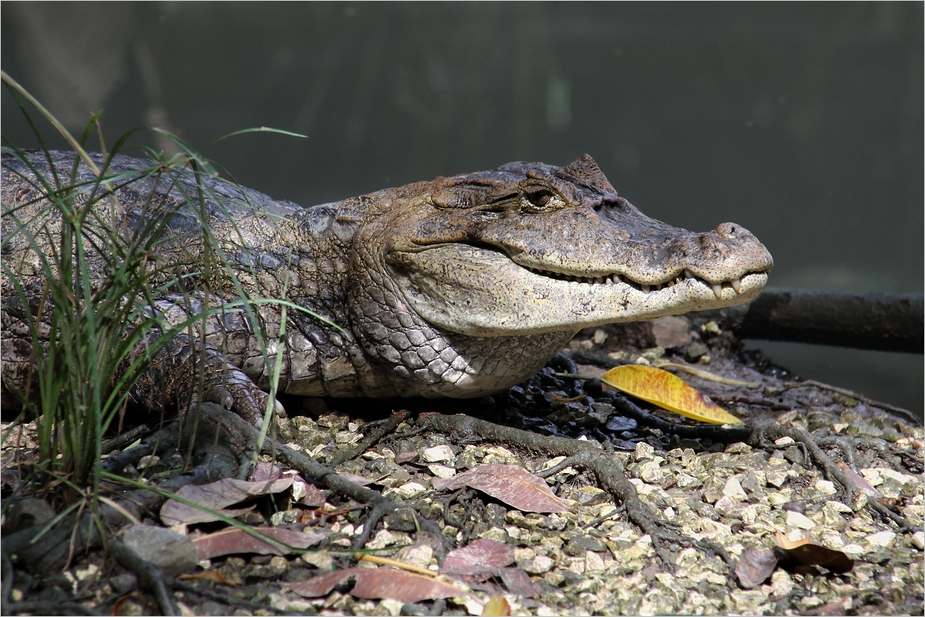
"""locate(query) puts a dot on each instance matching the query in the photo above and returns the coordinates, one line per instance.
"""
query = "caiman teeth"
(615, 278)
(735, 284)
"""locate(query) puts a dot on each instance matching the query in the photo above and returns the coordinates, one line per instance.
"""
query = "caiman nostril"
(726, 230)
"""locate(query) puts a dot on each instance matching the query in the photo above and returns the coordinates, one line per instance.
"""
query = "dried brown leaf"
(482, 553)
(755, 566)
(266, 472)
(216, 496)
(234, 540)
(510, 484)
(379, 584)
(808, 553)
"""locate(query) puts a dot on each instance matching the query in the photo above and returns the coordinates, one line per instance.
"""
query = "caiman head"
(531, 248)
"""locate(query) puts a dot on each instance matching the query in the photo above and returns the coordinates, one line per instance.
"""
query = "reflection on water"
(801, 121)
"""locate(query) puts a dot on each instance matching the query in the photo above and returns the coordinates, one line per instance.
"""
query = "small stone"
(754, 481)
(285, 517)
(779, 498)
(276, 568)
(671, 331)
(826, 487)
(147, 461)
(87, 572)
(881, 538)
(537, 565)
(442, 471)
(794, 454)
(27, 513)
(811, 601)
(733, 489)
(684, 480)
(579, 545)
(738, 448)
(174, 553)
(593, 562)
(498, 534)
(832, 514)
(438, 454)
(781, 584)
(123, 583)
(419, 555)
(644, 451)
(795, 519)
(382, 539)
(918, 540)
(392, 607)
(696, 351)
(776, 477)
(409, 490)
(727, 507)
(320, 559)
(589, 495)
(652, 354)
(497, 454)
(650, 472)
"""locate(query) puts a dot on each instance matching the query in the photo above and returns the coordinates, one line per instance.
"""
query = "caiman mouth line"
(610, 279)
(615, 278)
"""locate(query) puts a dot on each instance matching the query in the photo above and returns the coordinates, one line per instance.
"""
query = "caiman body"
(459, 287)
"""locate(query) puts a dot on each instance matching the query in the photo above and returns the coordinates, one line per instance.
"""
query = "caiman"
(459, 287)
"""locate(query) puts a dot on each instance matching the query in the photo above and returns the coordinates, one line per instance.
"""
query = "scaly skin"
(459, 287)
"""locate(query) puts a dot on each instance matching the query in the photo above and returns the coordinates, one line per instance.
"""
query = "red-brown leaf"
(216, 496)
(234, 540)
(510, 484)
(755, 566)
(482, 553)
(378, 584)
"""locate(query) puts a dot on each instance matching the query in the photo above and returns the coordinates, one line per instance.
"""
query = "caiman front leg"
(184, 373)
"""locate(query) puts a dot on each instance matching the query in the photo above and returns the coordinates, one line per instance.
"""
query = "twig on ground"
(124, 439)
(377, 432)
(904, 414)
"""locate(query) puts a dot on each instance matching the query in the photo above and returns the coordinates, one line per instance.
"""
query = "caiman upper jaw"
(718, 259)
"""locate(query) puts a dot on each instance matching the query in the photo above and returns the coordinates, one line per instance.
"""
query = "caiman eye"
(537, 200)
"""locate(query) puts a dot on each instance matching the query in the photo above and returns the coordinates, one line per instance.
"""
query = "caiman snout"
(744, 243)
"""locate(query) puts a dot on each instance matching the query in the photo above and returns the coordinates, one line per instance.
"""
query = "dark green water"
(801, 121)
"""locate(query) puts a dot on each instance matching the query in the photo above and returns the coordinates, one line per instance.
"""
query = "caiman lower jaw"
(615, 279)
(481, 292)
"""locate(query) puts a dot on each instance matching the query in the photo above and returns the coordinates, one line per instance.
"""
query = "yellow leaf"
(668, 392)
(496, 605)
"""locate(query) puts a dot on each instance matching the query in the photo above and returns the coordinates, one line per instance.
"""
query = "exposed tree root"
(150, 578)
(607, 468)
